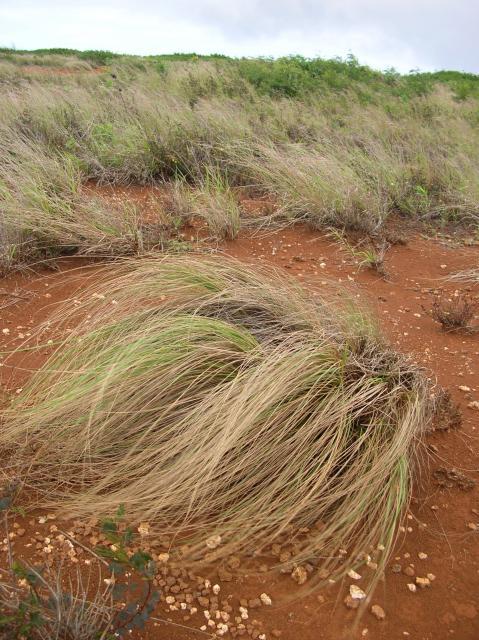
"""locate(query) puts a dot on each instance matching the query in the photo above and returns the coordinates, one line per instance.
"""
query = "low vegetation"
(45, 602)
(225, 405)
(330, 142)
(455, 313)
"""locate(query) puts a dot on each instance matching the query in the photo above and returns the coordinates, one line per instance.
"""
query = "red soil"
(437, 523)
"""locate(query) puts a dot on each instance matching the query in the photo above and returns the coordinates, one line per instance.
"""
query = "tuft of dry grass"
(213, 201)
(222, 403)
(313, 185)
(60, 605)
(45, 214)
(454, 314)
(468, 275)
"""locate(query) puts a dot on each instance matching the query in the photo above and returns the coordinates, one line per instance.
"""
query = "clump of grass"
(468, 275)
(447, 413)
(53, 604)
(222, 403)
(314, 186)
(454, 314)
(371, 257)
(45, 214)
(212, 201)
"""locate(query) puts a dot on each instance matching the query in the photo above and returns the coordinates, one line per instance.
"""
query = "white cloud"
(403, 33)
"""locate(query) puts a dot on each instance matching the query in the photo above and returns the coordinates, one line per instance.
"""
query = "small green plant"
(371, 257)
(138, 609)
(35, 604)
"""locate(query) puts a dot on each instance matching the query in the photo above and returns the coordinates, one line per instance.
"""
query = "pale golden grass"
(218, 402)
(316, 186)
(330, 160)
(212, 201)
(45, 214)
(468, 275)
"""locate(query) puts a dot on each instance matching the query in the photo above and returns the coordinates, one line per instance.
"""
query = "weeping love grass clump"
(221, 403)
(44, 213)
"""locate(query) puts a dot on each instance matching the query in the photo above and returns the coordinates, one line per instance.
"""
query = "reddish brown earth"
(441, 519)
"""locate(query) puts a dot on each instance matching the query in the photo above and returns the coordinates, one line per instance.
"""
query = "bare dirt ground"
(440, 537)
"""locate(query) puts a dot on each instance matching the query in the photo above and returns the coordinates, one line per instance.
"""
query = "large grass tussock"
(222, 402)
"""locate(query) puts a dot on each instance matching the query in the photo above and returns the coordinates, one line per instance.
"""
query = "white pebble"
(356, 592)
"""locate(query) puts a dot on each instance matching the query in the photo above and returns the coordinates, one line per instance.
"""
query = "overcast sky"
(406, 34)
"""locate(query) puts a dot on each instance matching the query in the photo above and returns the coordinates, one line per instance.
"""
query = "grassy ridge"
(331, 142)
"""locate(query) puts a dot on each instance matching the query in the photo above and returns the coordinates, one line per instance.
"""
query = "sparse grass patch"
(45, 215)
(52, 601)
(367, 254)
(455, 313)
(213, 201)
(223, 403)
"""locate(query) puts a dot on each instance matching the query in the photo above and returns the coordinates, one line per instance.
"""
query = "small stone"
(412, 587)
(243, 613)
(474, 405)
(378, 612)
(213, 542)
(144, 529)
(354, 575)
(276, 633)
(254, 603)
(472, 526)
(463, 387)
(163, 557)
(423, 582)
(431, 577)
(170, 599)
(265, 599)
(356, 592)
(422, 556)
(409, 571)
(299, 575)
